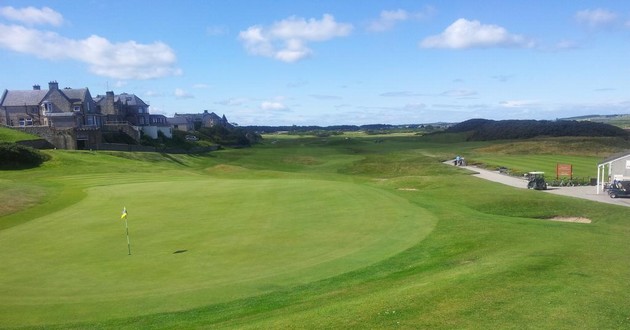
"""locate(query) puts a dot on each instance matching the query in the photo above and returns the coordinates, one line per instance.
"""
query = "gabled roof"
(23, 97)
(615, 157)
(75, 94)
(130, 99)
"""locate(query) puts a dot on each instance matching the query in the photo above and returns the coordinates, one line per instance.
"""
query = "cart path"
(584, 192)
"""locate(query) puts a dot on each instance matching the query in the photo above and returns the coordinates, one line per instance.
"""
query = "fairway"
(195, 243)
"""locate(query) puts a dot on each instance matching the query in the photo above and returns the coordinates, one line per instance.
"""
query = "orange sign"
(564, 170)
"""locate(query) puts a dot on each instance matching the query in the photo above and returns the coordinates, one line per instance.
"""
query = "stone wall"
(60, 138)
(123, 128)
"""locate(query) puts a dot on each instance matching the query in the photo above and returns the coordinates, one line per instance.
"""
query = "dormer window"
(48, 107)
(77, 108)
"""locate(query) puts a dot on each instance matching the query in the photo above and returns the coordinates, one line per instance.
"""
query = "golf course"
(348, 231)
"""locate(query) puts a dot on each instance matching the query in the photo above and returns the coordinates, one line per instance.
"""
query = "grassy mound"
(15, 156)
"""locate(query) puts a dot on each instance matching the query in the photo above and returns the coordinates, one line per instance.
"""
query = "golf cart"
(619, 189)
(536, 180)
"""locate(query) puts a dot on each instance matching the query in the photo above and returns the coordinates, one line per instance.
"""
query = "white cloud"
(596, 17)
(124, 60)
(273, 105)
(388, 18)
(464, 34)
(287, 40)
(182, 94)
(32, 15)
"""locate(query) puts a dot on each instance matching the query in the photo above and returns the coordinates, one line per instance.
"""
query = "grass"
(11, 135)
(543, 154)
(306, 233)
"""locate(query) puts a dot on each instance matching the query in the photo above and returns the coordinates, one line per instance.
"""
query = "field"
(345, 232)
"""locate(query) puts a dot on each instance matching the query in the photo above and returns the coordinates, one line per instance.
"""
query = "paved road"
(587, 192)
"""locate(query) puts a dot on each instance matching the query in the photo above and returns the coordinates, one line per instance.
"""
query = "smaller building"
(183, 124)
(157, 124)
(613, 168)
(123, 108)
(205, 119)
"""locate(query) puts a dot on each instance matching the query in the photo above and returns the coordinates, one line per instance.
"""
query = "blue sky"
(329, 62)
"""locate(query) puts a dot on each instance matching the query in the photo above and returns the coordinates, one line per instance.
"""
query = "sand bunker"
(571, 219)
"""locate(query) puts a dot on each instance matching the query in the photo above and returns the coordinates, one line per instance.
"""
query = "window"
(48, 107)
(21, 121)
(29, 121)
(90, 120)
(77, 108)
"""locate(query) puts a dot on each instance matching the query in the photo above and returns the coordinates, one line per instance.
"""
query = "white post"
(128, 243)
(598, 172)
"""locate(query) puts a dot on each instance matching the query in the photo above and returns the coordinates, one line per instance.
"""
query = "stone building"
(55, 107)
(206, 119)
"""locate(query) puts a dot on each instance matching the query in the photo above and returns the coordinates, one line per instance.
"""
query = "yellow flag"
(124, 214)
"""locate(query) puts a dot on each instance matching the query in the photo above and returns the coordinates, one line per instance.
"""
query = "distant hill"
(620, 120)
(485, 130)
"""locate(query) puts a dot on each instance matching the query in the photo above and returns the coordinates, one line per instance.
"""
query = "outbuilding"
(613, 168)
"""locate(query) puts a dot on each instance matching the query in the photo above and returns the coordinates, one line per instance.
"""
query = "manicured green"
(337, 232)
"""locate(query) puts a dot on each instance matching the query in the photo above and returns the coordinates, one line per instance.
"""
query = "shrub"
(15, 156)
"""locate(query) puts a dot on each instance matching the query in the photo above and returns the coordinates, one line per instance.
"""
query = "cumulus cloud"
(287, 40)
(596, 17)
(123, 60)
(388, 18)
(32, 15)
(464, 34)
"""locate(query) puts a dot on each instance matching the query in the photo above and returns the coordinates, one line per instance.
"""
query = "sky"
(329, 62)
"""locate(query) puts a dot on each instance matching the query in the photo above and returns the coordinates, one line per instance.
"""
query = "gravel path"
(587, 192)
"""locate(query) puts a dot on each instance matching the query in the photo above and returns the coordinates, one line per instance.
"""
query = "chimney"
(36, 87)
(53, 85)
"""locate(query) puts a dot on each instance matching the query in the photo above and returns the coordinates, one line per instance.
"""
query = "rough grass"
(21, 196)
(490, 260)
(567, 146)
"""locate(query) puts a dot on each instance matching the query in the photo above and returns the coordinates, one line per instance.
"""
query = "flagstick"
(128, 243)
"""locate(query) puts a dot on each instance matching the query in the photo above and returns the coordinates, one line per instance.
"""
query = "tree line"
(485, 129)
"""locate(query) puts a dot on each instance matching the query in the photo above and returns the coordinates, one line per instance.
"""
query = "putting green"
(195, 243)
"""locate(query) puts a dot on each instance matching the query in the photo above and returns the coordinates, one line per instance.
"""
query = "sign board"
(564, 171)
